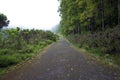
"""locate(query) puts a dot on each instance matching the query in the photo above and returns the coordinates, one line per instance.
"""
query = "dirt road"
(62, 62)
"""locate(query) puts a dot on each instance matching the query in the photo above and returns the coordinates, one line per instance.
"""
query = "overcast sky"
(38, 14)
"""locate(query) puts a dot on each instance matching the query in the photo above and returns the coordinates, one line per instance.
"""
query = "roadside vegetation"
(17, 45)
(93, 25)
(103, 44)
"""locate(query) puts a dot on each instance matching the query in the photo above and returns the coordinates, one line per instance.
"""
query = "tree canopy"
(3, 20)
(87, 15)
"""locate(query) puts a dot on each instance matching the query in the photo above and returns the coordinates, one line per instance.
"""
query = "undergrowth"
(18, 45)
(105, 44)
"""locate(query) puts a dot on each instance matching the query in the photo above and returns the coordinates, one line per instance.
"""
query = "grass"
(108, 58)
(9, 58)
(6, 60)
(112, 60)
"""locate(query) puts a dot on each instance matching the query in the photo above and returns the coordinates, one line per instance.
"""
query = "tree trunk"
(79, 30)
(102, 15)
(118, 11)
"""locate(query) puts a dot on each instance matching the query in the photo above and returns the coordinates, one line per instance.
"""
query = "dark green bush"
(8, 60)
(6, 51)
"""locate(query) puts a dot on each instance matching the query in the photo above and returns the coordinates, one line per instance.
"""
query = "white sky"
(38, 14)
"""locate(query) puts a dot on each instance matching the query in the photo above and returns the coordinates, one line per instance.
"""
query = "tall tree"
(102, 14)
(88, 15)
(118, 11)
(3, 20)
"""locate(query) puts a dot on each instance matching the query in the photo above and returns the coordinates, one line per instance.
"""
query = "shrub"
(24, 56)
(42, 43)
(48, 41)
(6, 51)
(17, 45)
(8, 60)
(105, 41)
(28, 49)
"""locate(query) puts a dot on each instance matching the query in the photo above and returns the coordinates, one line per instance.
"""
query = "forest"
(92, 25)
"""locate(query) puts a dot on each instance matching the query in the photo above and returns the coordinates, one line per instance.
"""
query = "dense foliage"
(17, 45)
(79, 16)
(3, 20)
(104, 42)
(92, 24)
